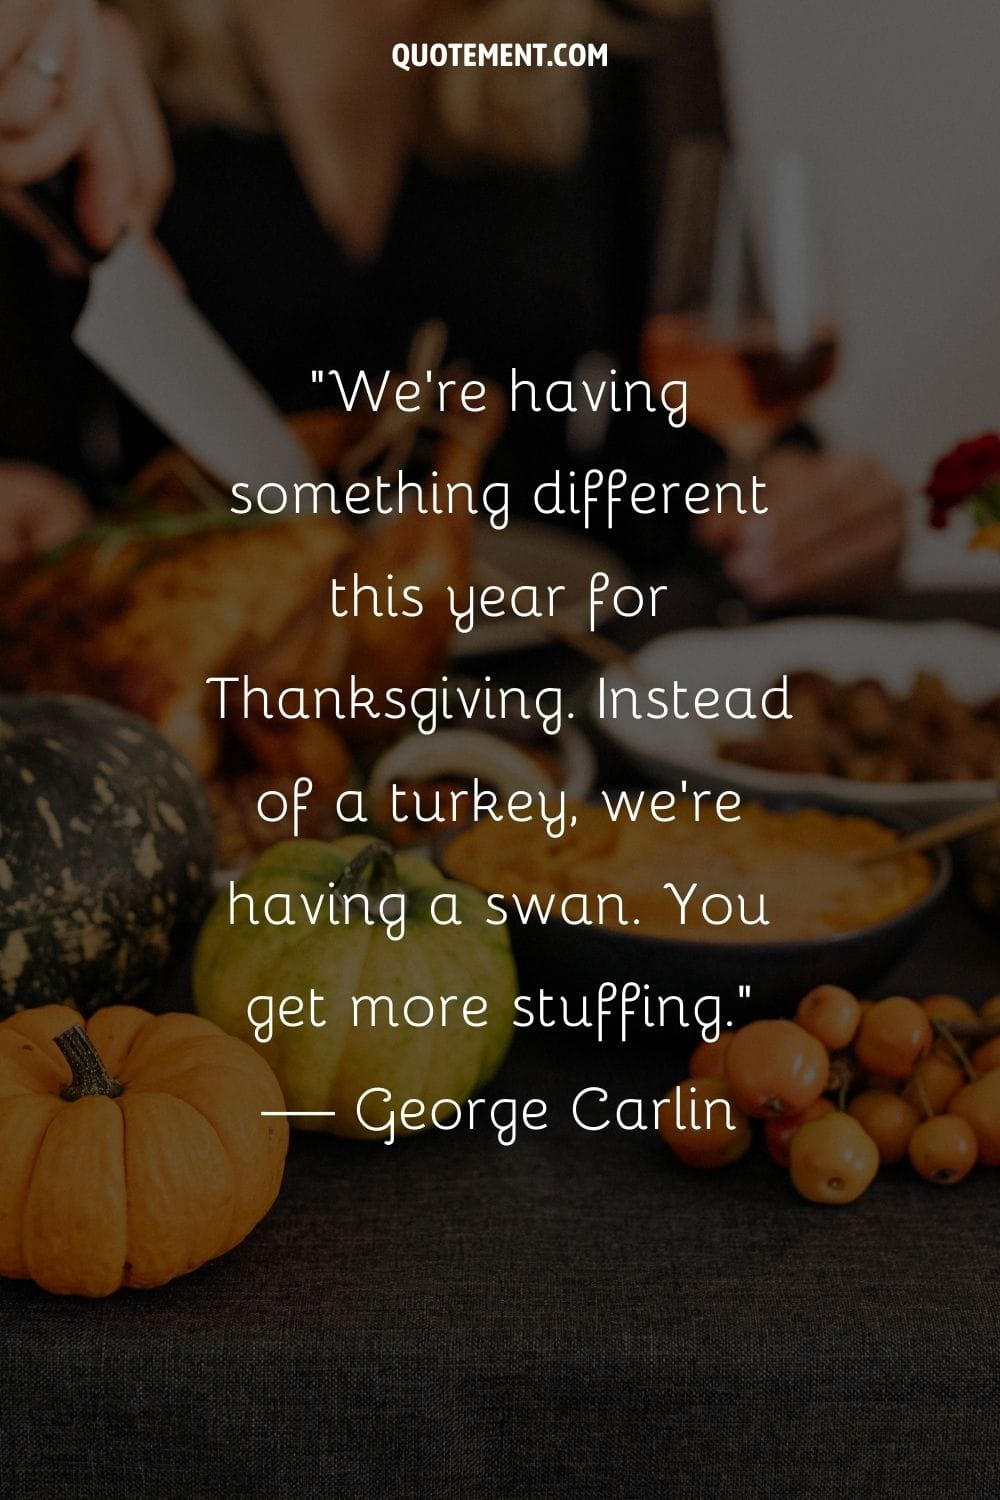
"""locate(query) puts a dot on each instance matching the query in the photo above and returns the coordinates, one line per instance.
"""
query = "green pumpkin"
(328, 1066)
(105, 853)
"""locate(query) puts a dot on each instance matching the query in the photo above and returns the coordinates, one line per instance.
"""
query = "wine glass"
(739, 311)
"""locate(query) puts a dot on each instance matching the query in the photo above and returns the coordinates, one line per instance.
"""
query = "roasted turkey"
(145, 623)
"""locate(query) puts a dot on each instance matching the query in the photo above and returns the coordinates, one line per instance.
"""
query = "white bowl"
(966, 657)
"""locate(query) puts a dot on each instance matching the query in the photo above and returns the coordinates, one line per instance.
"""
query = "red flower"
(961, 474)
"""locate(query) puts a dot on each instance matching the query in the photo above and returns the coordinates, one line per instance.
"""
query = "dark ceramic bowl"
(576, 960)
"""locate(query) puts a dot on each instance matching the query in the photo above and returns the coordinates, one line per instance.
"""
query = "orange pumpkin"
(133, 1148)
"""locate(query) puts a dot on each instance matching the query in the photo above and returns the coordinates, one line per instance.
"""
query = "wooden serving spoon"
(978, 820)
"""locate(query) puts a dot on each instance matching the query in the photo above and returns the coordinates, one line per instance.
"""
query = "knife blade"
(140, 328)
(143, 331)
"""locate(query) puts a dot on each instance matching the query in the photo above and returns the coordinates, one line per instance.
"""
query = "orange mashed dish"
(802, 870)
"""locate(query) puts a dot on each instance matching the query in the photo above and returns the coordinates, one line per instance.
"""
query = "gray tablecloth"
(577, 1316)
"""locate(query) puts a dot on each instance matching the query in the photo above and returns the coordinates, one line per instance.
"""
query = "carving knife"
(141, 329)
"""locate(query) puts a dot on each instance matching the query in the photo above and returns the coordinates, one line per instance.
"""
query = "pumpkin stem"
(90, 1076)
(373, 870)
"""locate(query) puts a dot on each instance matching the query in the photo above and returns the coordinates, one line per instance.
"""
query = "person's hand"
(73, 88)
(51, 85)
(834, 530)
(125, 163)
(38, 510)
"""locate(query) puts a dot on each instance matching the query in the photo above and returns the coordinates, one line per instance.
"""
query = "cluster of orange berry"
(848, 1086)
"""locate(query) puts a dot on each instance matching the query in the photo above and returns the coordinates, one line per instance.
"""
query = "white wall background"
(897, 102)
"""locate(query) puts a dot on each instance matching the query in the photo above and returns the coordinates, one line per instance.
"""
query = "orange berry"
(708, 1058)
(725, 1135)
(776, 1068)
(833, 1160)
(830, 1014)
(944, 1149)
(979, 1103)
(779, 1131)
(935, 1081)
(894, 1035)
(888, 1119)
(991, 1010)
(947, 1008)
(987, 1056)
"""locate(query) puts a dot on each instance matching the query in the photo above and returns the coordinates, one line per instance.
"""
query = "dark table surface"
(577, 1315)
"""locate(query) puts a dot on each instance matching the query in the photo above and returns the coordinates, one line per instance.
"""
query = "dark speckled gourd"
(105, 853)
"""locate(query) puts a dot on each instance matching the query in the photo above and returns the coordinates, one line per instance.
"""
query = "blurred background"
(895, 102)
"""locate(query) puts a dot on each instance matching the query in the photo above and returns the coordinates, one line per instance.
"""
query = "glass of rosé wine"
(739, 311)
